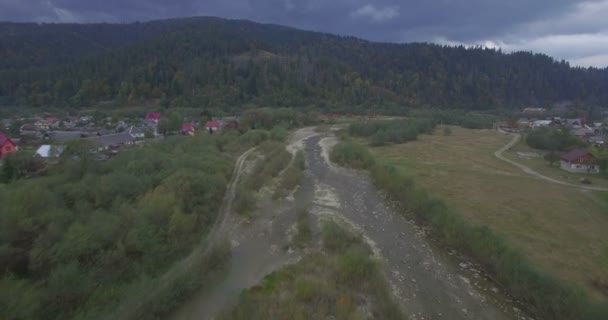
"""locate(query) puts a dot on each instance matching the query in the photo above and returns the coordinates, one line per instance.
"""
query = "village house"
(42, 125)
(583, 132)
(534, 111)
(152, 117)
(574, 123)
(106, 142)
(541, 123)
(46, 151)
(213, 126)
(137, 133)
(7, 146)
(580, 161)
(188, 129)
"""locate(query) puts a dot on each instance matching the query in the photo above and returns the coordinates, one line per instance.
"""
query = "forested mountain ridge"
(202, 62)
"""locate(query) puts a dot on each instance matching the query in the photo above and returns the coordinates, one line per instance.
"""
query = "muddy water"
(427, 283)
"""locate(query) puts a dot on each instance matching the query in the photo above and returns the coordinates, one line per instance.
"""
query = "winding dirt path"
(516, 138)
(129, 308)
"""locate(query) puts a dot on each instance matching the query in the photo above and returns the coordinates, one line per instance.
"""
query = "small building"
(110, 141)
(47, 151)
(213, 126)
(188, 129)
(580, 161)
(153, 117)
(574, 123)
(7, 146)
(541, 123)
(583, 132)
(42, 125)
(597, 141)
(137, 132)
(534, 111)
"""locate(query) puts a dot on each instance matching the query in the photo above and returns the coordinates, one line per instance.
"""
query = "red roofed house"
(6, 146)
(580, 161)
(213, 126)
(188, 129)
(153, 116)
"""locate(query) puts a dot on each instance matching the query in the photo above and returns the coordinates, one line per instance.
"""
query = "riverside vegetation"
(84, 236)
(546, 296)
(345, 282)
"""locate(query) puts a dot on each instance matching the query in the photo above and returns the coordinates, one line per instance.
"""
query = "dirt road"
(134, 306)
(528, 170)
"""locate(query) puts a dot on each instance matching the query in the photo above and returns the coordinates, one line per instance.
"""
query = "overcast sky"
(575, 30)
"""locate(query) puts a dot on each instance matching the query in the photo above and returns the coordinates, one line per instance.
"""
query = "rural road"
(130, 307)
(528, 170)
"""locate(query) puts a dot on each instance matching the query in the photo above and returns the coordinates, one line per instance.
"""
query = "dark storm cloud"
(514, 24)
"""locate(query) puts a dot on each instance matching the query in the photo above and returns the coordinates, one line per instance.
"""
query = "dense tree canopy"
(79, 236)
(209, 62)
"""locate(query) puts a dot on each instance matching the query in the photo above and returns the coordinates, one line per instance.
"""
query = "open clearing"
(560, 228)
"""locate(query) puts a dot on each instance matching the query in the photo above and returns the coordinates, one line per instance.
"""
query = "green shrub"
(304, 232)
(553, 139)
(306, 290)
(352, 155)
(395, 131)
(355, 267)
(291, 177)
(279, 133)
(337, 239)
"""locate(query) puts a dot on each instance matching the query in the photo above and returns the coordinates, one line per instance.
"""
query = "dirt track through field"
(516, 137)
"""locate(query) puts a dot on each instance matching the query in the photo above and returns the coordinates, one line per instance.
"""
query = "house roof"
(213, 124)
(153, 116)
(113, 139)
(136, 130)
(187, 127)
(47, 151)
(575, 155)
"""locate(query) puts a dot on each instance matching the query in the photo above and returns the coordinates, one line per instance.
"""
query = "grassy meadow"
(559, 228)
(521, 153)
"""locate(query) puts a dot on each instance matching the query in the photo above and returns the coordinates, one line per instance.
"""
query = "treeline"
(393, 131)
(218, 63)
(546, 296)
(553, 139)
(465, 119)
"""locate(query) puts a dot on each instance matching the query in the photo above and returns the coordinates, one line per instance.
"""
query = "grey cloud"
(541, 25)
(376, 14)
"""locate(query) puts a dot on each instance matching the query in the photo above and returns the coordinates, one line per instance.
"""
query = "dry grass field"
(561, 229)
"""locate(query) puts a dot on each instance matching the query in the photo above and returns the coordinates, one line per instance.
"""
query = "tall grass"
(322, 286)
(548, 297)
(395, 131)
(291, 177)
(274, 159)
(350, 154)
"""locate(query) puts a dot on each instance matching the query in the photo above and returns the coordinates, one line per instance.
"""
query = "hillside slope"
(216, 62)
